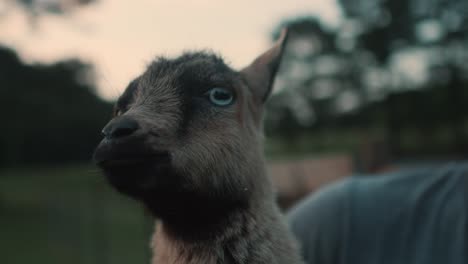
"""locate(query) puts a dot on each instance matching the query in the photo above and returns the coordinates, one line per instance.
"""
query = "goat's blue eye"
(220, 96)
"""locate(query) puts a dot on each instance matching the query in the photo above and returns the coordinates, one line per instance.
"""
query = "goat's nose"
(120, 127)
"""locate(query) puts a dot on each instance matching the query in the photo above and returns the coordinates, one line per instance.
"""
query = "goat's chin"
(139, 177)
(132, 167)
(193, 213)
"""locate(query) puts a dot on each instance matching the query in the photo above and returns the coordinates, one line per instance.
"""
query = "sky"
(120, 37)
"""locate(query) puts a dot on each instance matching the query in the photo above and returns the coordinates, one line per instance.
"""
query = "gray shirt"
(418, 216)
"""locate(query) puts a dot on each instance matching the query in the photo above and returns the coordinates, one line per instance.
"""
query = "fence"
(70, 215)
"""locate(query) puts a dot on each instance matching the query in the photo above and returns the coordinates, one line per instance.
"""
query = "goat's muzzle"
(129, 163)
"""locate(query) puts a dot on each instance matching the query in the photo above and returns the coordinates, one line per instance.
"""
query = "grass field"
(68, 215)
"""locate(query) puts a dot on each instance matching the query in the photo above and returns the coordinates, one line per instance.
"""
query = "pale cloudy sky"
(120, 36)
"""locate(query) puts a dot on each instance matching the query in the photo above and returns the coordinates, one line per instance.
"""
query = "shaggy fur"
(199, 167)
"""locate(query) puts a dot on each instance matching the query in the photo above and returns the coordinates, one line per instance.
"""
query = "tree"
(51, 113)
(37, 8)
(438, 29)
(317, 80)
(386, 54)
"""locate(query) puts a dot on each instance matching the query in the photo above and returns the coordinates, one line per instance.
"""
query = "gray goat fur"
(200, 168)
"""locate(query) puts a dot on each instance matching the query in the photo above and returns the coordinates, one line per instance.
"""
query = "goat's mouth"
(133, 168)
(133, 159)
(122, 154)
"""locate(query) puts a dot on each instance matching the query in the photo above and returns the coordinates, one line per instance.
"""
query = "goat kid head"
(186, 134)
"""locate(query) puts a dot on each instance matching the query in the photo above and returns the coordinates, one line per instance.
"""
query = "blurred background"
(365, 86)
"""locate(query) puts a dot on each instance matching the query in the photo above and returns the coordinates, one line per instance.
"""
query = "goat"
(186, 140)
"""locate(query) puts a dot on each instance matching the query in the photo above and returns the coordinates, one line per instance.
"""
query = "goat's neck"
(253, 235)
(167, 249)
(245, 234)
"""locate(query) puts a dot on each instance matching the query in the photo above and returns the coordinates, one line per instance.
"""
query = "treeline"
(395, 71)
(50, 113)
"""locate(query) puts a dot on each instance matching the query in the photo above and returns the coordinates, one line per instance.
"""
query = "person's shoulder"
(320, 216)
(360, 210)
(408, 185)
(317, 222)
(327, 201)
(373, 193)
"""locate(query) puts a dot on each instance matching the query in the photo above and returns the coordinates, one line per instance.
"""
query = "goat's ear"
(260, 74)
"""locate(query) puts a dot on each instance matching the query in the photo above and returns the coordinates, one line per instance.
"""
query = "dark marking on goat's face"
(189, 155)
